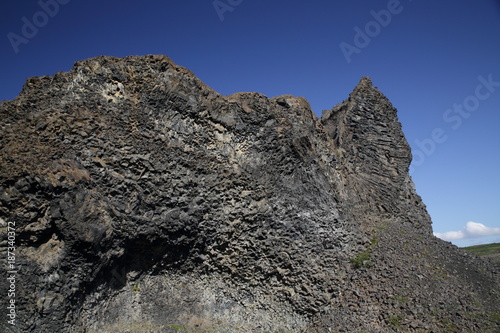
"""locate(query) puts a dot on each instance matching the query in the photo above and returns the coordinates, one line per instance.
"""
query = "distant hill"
(486, 250)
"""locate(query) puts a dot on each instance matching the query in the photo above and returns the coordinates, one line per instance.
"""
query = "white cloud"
(471, 230)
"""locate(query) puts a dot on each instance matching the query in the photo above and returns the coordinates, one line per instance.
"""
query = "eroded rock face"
(374, 159)
(144, 201)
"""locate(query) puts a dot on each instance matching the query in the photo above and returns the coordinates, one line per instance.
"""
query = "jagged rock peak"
(365, 82)
(365, 90)
(374, 153)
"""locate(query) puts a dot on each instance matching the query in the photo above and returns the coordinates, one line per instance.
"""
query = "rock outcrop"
(144, 201)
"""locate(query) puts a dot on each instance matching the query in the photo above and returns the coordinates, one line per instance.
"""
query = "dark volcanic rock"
(144, 201)
(374, 158)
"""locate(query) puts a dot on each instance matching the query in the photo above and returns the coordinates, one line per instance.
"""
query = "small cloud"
(471, 230)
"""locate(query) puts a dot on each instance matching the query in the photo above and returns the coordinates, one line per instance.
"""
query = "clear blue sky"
(426, 57)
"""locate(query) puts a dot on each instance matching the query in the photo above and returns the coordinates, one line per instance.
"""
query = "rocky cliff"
(144, 201)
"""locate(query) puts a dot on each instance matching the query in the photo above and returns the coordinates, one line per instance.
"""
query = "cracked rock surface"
(144, 201)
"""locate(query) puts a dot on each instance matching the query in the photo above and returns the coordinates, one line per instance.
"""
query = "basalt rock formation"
(144, 201)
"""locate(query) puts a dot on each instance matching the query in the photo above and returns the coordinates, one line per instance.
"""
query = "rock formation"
(144, 201)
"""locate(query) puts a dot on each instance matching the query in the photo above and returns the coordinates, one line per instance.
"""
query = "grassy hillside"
(485, 249)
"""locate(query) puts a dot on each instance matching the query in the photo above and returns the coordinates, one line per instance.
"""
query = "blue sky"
(432, 59)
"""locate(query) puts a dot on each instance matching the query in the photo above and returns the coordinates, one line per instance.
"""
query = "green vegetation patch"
(484, 250)
(396, 320)
(178, 328)
(362, 259)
